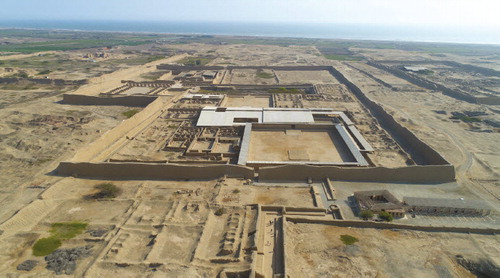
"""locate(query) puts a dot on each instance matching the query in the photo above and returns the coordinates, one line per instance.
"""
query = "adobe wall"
(409, 174)
(46, 81)
(110, 170)
(95, 150)
(425, 83)
(382, 225)
(492, 100)
(133, 101)
(419, 151)
(187, 68)
(466, 67)
(284, 68)
(305, 86)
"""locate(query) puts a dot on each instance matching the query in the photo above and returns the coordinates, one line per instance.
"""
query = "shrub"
(348, 240)
(220, 211)
(46, 246)
(106, 191)
(236, 191)
(385, 216)
(366, 214)
(265, 75)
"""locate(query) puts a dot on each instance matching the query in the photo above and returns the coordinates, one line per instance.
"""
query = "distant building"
(209, 74)
(378, 201)
(415, 68)
(446, 206)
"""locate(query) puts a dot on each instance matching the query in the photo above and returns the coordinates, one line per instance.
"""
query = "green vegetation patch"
(67, 230)
(366, 214)
(195, 61)
(62, 45)
(105, 191)
(385, 216)
(283, 90)
(59, 231)
(338, 51)
(130, 113)
(348, 240)
(264, 75)
(46, 246)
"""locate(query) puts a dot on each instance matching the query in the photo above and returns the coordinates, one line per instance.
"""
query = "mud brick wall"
(109, 170)
(132, 101)
(409, 174)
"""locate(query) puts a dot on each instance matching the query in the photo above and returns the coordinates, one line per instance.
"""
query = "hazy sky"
(473, 13)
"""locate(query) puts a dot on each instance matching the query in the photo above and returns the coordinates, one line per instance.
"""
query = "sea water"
(295, 30)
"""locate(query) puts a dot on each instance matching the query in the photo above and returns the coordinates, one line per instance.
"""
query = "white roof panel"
(209, 116)
(288, 117)
(213, 116)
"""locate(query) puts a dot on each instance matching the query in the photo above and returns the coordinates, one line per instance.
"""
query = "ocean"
(448, 34)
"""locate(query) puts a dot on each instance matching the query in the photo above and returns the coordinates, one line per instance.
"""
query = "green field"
(59, 232)
(62, 45)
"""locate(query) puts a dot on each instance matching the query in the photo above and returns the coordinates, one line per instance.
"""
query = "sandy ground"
(37, 132)
(316, 250)
(302, 77)
(267, 194)
(322, 146)
(150, 222)
(112, 80)
(36, 135)
(249, 101)
(200, 228)
(474, 153)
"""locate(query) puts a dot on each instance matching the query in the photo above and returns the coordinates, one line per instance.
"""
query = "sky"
(444, 13)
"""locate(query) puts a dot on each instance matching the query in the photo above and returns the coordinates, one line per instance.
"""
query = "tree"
(384, 215)
(366, 214)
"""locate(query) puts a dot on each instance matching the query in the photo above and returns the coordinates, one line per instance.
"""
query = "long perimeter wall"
(124, 170)
(419, 151)
(111, 170)
(432, 166)
(409, 174)
(381, 225)
(133, 101)
(96, 149)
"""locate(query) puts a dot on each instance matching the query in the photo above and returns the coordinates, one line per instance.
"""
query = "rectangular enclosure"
(321, 145)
